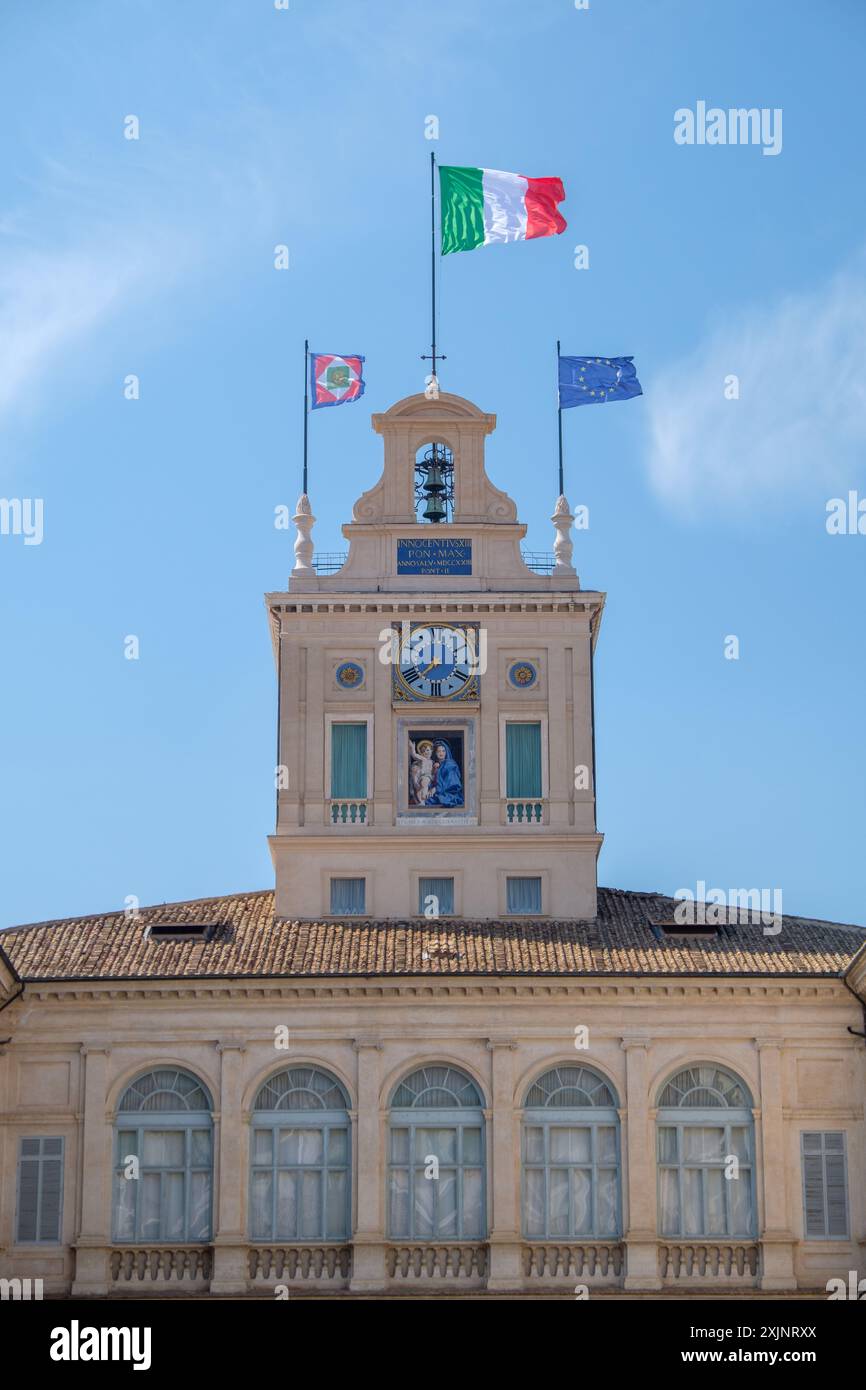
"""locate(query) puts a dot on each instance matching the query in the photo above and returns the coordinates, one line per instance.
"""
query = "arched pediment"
(445, 407)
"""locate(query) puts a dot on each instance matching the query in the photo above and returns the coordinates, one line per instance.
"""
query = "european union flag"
(594, 380)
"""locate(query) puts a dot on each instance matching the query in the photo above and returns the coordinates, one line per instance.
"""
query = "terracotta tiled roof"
(248, 940)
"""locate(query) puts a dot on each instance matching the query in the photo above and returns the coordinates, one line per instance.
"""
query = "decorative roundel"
(349, 675)
(523, 674)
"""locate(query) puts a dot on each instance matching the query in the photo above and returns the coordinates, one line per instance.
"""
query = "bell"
(434, 511)
(434, 483)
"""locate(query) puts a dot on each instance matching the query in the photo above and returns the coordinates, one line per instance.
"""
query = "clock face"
(437, 663)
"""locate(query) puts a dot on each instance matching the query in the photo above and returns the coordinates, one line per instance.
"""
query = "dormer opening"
(434, 483)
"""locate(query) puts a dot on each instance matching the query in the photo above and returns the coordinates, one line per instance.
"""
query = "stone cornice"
(399, 604)
(597, 988)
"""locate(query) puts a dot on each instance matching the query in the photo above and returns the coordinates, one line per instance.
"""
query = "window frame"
(157, 1121)
(418, 879)
(534, 912)
(353, 878)
(551, 1118)
(141, 1120)
(823, 1156)
(328, 1122)
(712, 1118)
(348, 717)
(419, 1117)
(528, 717)
(40, 1160)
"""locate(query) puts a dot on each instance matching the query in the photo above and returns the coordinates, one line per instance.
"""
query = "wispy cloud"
(87, 243)
(801, 410)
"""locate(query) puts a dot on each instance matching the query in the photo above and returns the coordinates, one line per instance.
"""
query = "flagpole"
(306, 407)
(559, 414)
(433, 256)
(434, 356)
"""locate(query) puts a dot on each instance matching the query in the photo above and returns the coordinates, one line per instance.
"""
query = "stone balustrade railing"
(348, 812)
(163, 1263)
(300, 1261)
(686, 1259)
(523, 811)
(548, 1259)
(421, 1261)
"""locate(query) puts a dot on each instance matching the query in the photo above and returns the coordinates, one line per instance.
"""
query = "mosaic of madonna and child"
(435, 768)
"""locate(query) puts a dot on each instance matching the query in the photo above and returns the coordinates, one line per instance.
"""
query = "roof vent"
(663, 930)
(180, 931)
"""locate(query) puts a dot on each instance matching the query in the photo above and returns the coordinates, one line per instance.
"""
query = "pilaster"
(91, 1246)
(504, 1239)
(777, 1239)
(641, 1238)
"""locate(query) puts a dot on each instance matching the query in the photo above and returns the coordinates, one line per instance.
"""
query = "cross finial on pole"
(433, 356)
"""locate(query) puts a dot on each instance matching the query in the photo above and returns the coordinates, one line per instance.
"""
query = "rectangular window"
(40, 1190)
(522, 760)
(349, 761)
(523, 895)
(441, 892)
(348, 897)
(825, 1186)
(300, 1183)
(162, 1184)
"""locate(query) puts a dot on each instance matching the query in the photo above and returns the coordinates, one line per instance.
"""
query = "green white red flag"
(482, 206)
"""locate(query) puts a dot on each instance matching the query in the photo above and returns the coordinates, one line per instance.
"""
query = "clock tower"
(435, 698)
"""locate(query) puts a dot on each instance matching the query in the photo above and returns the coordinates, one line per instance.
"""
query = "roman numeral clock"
(438, 661)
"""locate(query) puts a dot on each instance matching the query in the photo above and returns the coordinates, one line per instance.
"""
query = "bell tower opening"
(434, 483)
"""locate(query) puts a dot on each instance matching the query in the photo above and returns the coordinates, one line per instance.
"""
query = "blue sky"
(707, 516)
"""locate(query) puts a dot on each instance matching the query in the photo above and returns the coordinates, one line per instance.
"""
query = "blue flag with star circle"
(596, 380)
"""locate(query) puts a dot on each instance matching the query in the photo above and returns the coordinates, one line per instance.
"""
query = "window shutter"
(349, 761)
(825, 1186)
(522, 759)
(813, 1176)
(40, 1190)
(28, 1198)
(49, 1214)
(837, 1195)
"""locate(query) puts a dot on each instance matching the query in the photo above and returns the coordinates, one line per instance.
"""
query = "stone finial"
(563, 546)
(304, 521)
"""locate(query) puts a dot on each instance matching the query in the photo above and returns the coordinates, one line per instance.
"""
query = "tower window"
(349, 761)
(348, 897)
(436, 897)
(523, 760)
(523, 896)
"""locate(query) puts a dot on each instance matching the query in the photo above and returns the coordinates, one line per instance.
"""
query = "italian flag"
(480, 206)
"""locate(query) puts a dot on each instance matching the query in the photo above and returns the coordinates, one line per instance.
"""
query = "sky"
(305, 127)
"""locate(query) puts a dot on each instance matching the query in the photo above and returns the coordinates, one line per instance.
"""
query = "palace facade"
(436, 1057)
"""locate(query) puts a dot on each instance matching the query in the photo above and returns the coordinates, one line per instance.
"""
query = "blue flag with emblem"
(596, 380)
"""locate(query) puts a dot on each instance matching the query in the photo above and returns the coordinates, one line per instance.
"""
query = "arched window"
(571, 1182)
(299, 1168)
(163, 1173)
(436, 1158)
(706, 1151)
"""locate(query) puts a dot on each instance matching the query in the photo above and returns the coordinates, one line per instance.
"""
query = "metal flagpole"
(559, 413)
(434, 355)
(306, 407)
(433, 257)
